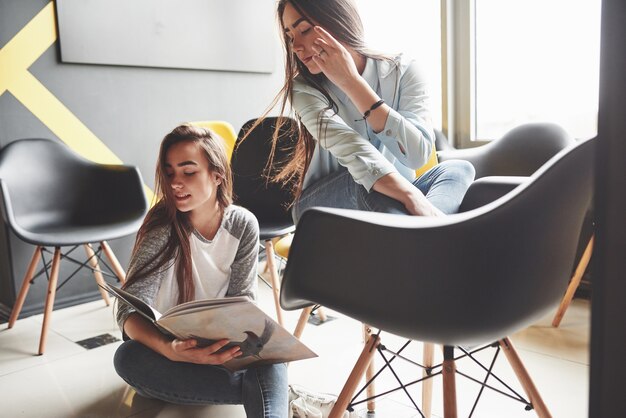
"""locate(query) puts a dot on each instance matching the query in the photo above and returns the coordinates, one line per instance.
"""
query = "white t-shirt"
(211, 264)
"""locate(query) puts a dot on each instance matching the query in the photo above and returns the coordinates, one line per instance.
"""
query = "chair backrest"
(45, 184)
(463, 279)
(223, 129)
(442, 143)
(520, 152)
(267, 200)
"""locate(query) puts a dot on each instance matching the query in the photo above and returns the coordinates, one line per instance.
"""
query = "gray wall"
(130, 109)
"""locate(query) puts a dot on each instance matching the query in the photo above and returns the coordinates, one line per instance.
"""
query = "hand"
(334, 59)
(422, 207)
(186, 351)
(397, 187)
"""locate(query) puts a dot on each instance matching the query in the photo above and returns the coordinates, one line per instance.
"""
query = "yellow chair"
(432, 161)
(282, 246)
(223, 129)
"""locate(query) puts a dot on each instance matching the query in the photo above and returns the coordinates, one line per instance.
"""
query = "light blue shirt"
(403, 146)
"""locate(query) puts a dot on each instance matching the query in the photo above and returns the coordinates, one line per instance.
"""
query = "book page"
(140, 306)
(204, 303)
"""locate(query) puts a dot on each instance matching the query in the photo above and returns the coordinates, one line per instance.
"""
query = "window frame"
(458, 40)
(459, 70)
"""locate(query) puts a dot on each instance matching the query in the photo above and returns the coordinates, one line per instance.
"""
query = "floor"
(72, 381)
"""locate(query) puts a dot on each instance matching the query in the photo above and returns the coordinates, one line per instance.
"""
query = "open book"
(261, 339)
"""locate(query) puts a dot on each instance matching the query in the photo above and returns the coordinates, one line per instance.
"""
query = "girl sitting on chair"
(364, 120)
(194, 244)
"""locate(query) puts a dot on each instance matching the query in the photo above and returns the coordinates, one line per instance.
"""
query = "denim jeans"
(262, 390)
(443, 185)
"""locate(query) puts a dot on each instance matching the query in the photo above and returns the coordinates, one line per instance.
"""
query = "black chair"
(458, 281)
(268, 201)
(520, 152)
(52, 197)
(441, 142)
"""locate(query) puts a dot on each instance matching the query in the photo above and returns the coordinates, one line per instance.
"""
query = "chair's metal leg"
(524, 378)
(304, 317)
(21, 297)
(52, 287)
(573, 284)
(355, 377)
(369, 373)
(449, 383)
(427, 385)
(115, 265)
(269, 252)
(93, 262)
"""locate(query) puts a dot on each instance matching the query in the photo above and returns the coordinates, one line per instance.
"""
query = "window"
(411, 27)
(536, 60)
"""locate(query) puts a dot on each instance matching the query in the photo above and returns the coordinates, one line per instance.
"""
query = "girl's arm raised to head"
(341, 68)
(365, 163)
(407, 132)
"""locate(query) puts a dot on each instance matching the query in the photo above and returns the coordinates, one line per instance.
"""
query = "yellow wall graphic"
(16, 57)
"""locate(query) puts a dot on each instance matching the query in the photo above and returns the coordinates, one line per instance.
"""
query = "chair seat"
(283, 245)
(68, 234)
(269, 230)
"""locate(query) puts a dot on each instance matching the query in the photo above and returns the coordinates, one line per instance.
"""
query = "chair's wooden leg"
(322, 314)
(274, 279)
(355, 377)
(304, 317)
(371, 370)
(48, 307)
(573, 284)
(524, 378)
(21, 297)
(449, 383)
(93, 262)
(266, 269)
(115, 265)
(427, 385)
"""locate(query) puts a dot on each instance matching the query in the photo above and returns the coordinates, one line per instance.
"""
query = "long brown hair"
(341, 19)
(165, 216)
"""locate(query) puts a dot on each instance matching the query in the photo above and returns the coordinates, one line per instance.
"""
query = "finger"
(180, 345)
(216, 346)
(327, 36)
(232, 352)
(319, 60)
(317, 49)
(225, 356)
(320, 43)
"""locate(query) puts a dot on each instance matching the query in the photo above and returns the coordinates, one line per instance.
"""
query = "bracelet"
(374, 106)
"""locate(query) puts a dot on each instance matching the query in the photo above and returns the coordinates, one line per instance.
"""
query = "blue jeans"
(262, 390)
(443, 185)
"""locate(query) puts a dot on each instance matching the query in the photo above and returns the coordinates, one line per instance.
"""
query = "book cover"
(261, 339)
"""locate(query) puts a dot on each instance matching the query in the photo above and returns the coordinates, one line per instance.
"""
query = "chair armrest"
(117, 190)
(488, 189)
